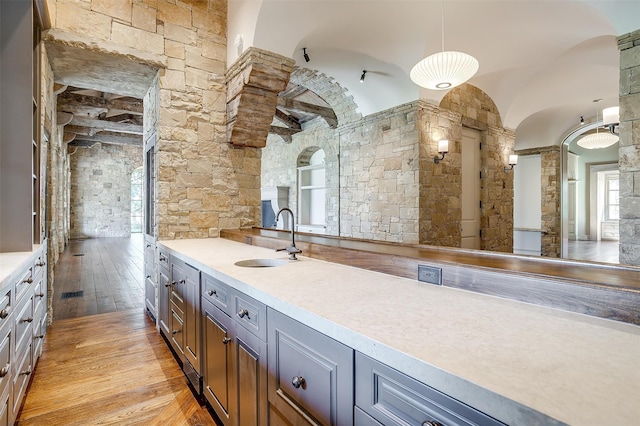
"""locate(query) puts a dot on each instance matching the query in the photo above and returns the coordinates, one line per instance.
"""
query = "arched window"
(312, 191)
(137, 215)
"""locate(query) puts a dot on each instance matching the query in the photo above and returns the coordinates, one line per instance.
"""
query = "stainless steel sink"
(260, 263)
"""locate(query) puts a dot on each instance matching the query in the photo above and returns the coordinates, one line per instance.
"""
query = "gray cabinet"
(164, 290)
(310, 375)
(392, 398)
(150, 279)
(217, 335)
(235, 351)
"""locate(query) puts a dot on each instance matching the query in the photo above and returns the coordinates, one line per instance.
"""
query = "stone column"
(550, 200)
(253, 84)
(629, 151)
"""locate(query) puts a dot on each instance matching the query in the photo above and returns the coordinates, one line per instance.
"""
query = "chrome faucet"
(292, 249)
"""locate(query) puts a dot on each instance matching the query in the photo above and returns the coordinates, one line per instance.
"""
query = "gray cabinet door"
(251, 378)
(310, 374)
(218, 365)
(191, 293)
(164, 287)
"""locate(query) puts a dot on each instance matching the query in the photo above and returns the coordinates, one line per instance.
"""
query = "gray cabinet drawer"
(393, 398)
(163, 258)
(23, 320)
(250, 313)
(360, 418)
(177, 335)
(6, 305)
(309, 373)
(216, 292)
(23, 284)
(5, 359)
(21, 376)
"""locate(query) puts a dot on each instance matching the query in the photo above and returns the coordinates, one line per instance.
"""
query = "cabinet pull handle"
(168, 285)
(28, 280)
(4, 313)
(40, 336)
(431, 423)
(211, 292)
(41, 295)
(5, 370)
(162, 258)
(26, 372)
(148, 276)
(40, 264)
(30, 319)
(174, 332)
(148, 245)
(299, 381)
(226, 340)
(182, 281)
(243, 313)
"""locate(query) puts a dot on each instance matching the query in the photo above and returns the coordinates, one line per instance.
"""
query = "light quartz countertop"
(13, 262)
(520, 363)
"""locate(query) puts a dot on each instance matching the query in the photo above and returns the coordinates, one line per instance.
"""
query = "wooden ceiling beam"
(287, 120)
(303, 107)
(74, 100)
(103, 125)
(112, 138)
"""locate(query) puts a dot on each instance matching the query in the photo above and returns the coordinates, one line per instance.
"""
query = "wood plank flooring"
(109, 272)
(112, 367)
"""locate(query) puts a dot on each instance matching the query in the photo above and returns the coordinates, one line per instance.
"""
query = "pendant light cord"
(442, 26)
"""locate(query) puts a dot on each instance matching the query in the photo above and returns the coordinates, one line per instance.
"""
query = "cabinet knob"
(243, 313)
(226, 340)
(298, 381)
(5, 370)
(4, 313)
(211, 292)
(431, 423)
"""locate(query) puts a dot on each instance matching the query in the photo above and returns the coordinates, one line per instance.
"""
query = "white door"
(470, 203)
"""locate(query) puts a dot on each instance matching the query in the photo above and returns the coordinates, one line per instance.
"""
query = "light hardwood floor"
(107, 368)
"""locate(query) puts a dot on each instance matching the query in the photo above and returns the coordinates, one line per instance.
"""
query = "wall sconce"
(513, 160)
(364, 73)
(443, 148)
(304, 53)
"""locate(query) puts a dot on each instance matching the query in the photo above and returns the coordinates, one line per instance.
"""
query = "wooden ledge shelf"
(596, 289)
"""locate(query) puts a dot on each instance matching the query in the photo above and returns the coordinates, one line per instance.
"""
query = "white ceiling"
(543, 62)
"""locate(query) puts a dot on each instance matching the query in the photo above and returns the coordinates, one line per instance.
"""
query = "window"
(612, 199)
(136, 201)
(311, 191)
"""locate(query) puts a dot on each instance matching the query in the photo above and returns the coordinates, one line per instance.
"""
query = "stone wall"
(379, 176)
(629, 151)
(203, 183)
(550, 219)
(100, 204)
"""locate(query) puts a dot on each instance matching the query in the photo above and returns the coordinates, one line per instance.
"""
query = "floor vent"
(71, 294)
(79, 254)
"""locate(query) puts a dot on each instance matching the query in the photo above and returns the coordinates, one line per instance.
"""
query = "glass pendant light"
(444, 70)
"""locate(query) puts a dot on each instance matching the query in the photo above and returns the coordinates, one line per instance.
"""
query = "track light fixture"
(364, 72)
(304, 53)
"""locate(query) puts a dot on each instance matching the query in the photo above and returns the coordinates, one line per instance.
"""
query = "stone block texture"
(100, 202)
(629, 150)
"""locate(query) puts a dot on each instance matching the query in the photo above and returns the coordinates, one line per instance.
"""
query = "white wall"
(527, 205)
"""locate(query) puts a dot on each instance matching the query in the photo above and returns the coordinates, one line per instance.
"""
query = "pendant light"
(444, 70)
(598, 140)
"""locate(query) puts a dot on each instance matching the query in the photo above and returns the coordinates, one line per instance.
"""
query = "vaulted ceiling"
(542, 62)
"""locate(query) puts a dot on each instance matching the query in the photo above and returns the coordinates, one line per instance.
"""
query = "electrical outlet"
(430, 274)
